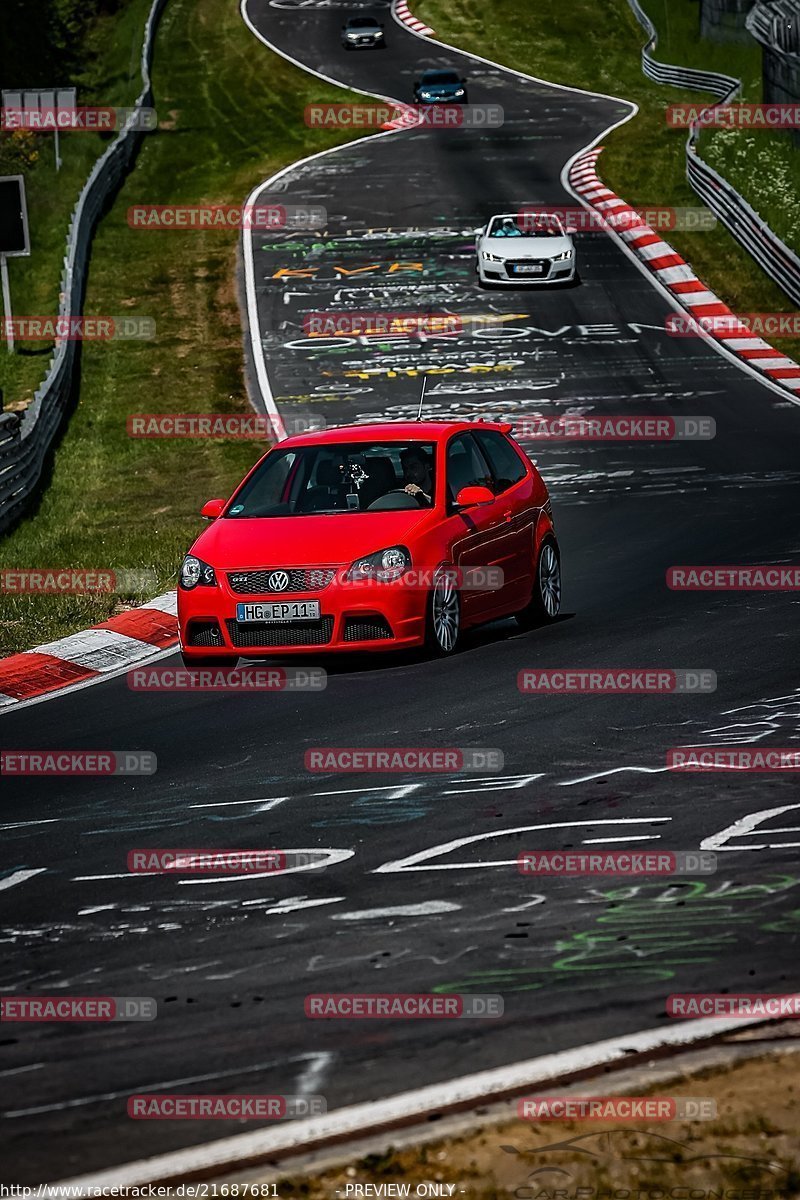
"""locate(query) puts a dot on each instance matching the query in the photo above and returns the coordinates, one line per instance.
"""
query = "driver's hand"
(412, 488)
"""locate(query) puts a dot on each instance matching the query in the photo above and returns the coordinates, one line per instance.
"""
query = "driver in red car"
(417, 475)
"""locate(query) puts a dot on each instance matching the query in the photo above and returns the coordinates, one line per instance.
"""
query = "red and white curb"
(403, 14)
(408, 117)
(82, 657)
(677, 276)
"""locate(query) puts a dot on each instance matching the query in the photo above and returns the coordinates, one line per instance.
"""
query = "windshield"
(525, 225)
(334, 478)
(440, 77)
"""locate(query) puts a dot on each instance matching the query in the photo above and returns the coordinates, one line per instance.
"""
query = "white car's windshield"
(524, 225)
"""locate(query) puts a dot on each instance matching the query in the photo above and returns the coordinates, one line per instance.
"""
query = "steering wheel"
(377, 503)
(411, 495)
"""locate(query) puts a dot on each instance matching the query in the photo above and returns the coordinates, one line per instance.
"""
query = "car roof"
(392, 431)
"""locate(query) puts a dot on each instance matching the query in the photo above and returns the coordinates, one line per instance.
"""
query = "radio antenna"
(422, 397)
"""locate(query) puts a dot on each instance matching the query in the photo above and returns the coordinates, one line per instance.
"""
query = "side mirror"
(212, 509)
(474, 496)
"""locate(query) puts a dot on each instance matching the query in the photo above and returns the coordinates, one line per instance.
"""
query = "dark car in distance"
(440, 87)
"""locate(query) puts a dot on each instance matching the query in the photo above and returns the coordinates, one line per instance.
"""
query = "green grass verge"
(231, 113)
(112, 77)
(596, 44)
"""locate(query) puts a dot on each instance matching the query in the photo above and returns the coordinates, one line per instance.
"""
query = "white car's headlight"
(383, 565)
(563, 256)
(491, 257)
(194, 572)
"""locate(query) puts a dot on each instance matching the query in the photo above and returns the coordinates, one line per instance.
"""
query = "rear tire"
(197, 662)
(545, 603)
(443, 623)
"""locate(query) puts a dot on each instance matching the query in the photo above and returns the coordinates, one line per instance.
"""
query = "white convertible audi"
(525, 247)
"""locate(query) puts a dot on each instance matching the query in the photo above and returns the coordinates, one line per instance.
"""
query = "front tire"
(444, 616)
(199, 661)
(545, 602)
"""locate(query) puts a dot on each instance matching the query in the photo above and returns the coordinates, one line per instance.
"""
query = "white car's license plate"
(279, 610)
(528, 269)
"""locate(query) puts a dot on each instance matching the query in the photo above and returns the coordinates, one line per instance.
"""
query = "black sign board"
(13, 216)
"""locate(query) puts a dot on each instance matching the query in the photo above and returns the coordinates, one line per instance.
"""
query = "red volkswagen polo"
(371, 537)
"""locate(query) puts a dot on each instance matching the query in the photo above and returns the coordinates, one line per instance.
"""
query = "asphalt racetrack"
(230, 960)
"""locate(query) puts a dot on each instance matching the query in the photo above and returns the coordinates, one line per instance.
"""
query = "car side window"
(465, 466)
(507, 467)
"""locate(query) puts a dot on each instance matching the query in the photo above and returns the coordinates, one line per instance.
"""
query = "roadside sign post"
(42, 100)
(7, 303)
(14, 239)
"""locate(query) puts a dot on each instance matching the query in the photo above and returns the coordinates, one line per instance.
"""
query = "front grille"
(512, 263)
(204, 633)
(290, 633)
(251, 583)
(366, 629)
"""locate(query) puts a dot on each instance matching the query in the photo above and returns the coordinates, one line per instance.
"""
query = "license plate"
(528, 269)
(278, 610)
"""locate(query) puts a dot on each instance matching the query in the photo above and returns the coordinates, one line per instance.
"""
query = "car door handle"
(508, 514)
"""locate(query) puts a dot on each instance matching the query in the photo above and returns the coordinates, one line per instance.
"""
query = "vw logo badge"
(278, 581)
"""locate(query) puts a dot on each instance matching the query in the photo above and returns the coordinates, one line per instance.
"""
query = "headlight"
(383, 566)
(491, 257)
(426, 96)
(565, 254)
(460, 92)
(194, 573)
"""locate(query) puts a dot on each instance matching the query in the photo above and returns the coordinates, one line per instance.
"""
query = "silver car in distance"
(525, 247)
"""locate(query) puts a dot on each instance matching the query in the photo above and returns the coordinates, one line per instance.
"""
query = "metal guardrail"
(776, 25)
(26, 438)
(750, 230)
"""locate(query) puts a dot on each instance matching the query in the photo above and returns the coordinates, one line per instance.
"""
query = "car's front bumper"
(363, 43)
(353, 617)
(496, 272)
